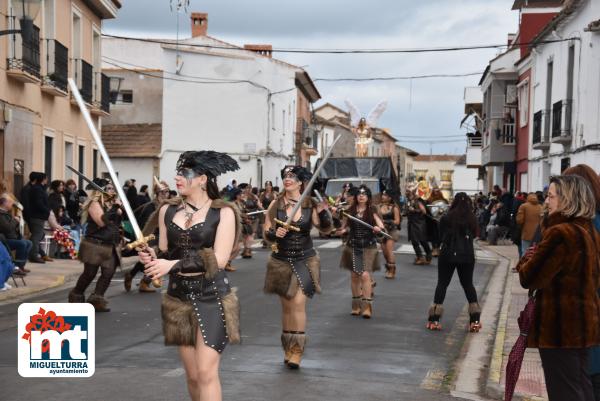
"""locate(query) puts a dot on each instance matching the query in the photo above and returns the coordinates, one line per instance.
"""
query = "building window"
(49, 19)
(81, 164)
(48, 155)
(95, 163)
(125, 96)
(68, 158)
(523, 103)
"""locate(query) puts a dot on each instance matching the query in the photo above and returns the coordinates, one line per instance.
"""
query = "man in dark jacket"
(38, 213)
(33, 176)
(10, 234)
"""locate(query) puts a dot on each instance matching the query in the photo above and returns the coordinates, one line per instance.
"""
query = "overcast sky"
(435, 107)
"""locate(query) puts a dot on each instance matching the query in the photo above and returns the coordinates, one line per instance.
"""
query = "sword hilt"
(287, 226)
(140, 243)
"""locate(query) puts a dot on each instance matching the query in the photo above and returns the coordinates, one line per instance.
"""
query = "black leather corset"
(184, 241)
(296, 244)
(360, 236)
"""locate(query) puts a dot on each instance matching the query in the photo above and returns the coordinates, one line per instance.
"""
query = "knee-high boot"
(296, 344)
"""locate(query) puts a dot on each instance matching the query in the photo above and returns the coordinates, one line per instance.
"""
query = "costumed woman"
(142, 215)
(100, 248)
(360, 254)
(197, 230)
(417, 228)
(458, 228)
(293, 268)
(437, 200)
(390, 214)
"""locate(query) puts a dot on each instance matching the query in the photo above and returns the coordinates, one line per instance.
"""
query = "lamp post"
(25, 11)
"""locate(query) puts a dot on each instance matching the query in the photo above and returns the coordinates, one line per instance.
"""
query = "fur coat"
(565, 272)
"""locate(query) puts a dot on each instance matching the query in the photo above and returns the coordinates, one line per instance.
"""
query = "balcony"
(561, 122)
(101, 104)
(84, 78)
(541, 141)
(474, 151)
(23, 62)
(508, 134)
(57, 69)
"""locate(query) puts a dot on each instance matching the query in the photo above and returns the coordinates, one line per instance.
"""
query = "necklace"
(190, 215)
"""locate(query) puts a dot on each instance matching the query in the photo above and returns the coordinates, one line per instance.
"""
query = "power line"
(349, 51)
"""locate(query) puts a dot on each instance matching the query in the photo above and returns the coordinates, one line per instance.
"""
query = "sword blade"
(83, 177)
(364, 223)
(107, 162)
(308, 187)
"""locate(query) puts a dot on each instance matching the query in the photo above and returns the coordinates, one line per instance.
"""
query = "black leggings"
(465, 275)
(139, 267)
(88, 275)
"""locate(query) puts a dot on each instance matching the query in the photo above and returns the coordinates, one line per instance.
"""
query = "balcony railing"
(539, 138)
(57, 65)
(474, 141)
(105, 96)
(508, 134)
(561, 121)
(84, 77)
(24, 53)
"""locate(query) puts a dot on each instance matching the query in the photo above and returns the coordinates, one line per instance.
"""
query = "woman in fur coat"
(563, 269)
(293, 269)
(197, 232)
(100, 248)
(360, 255)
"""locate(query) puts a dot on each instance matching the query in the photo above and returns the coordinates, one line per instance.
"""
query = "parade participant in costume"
(100, 248)
(293, 268)
(197, 230)
(360, 254)
(417, 228)
(458, 228)
(251, 204)
(437, 199)
(390, 214)
(235, 195)
(239, 198)
(267, 196)
(142, 214)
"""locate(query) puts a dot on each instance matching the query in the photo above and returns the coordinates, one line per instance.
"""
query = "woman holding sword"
(360, 254)
(293, 269)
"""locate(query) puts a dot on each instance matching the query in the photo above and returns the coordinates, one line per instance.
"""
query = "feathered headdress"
(207, 162)
(301, 172)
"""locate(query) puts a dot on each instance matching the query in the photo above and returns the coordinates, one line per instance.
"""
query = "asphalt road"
(390, 357)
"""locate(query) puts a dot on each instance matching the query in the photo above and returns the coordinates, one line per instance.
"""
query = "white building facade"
(565, 108)
(221, 97)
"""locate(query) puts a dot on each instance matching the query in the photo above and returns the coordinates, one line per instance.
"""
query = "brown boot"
(433, 321)
(367, 308)
(419, 261)
(99, 303)
(390, 271)
(145, 287)
(229, 268)
(436, 252)
(297, 343)
(76, 298)
(285, 344)
(247, 253)
(157, 282)
(127, 281)
(356, 306)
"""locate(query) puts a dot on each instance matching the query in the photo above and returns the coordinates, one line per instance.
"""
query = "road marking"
(256, 245)
(330, 245)
(174, 373)
(406, 249)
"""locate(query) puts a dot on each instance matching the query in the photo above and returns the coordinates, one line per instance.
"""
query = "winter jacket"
(9, 226)
(529, 216)
(565, 271)
(39, 207)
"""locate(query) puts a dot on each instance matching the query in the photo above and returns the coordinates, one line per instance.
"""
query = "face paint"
(291, 176)
(186, 173)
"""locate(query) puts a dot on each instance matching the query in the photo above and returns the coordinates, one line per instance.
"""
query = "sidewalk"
(49, 275)
(531, 385)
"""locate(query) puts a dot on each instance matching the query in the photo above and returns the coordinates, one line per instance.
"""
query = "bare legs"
(294, 312)
(201, 364)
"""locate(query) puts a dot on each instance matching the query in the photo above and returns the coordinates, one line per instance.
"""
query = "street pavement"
(390, 357)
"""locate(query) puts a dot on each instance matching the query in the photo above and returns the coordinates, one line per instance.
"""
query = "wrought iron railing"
(508, 134)
(84, 77)
(57, 64)
(105, 93)
(557, 118)
(537, 127)
(24, 52)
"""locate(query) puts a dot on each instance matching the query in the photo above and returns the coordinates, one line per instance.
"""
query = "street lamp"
(25, 11)
(115, 87)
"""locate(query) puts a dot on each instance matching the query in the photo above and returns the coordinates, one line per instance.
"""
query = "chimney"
(511, 38)
(265, 50)
(199, 24)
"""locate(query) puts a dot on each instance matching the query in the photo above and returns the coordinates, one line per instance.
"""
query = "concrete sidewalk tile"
(531, 384)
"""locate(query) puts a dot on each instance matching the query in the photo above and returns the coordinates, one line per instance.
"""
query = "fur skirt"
(180, 323)
(280, 279)
(370, 259)
(99, 254)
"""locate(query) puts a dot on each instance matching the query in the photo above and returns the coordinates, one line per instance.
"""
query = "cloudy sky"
(430, 111)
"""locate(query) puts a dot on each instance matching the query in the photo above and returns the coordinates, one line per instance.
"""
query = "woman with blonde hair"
(100, 248)
(563, 272)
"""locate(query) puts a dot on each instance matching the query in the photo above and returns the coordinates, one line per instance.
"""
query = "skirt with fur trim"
(370, 258)
(192, 303)
(96, 253)
(281, 280)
